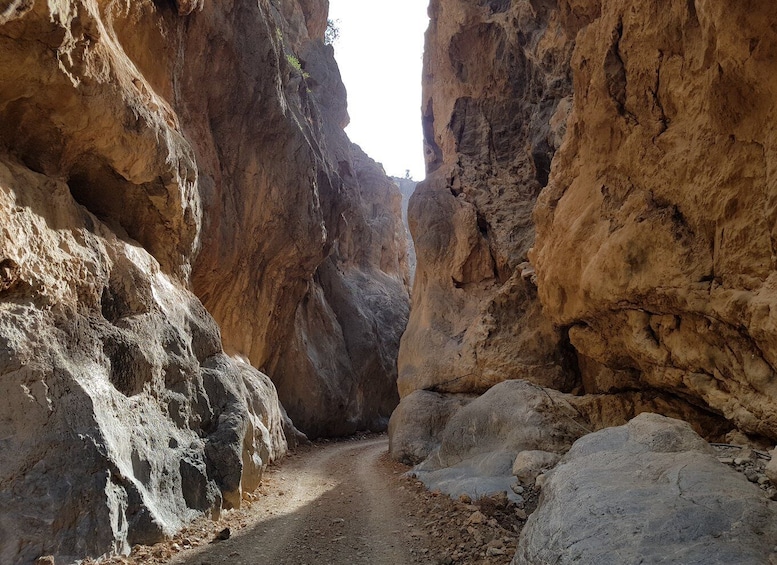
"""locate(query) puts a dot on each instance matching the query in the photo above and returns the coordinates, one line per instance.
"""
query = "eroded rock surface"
(651, 491)
(316, 288)
(122, 416)
(151, 151)
(492, 132)
(478, 444)
(338, 373)
(475, 319)
(654, 235)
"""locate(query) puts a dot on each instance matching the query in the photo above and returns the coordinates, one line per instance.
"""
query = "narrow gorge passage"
(334, 504)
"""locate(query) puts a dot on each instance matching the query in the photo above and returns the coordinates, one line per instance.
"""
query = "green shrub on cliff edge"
(332, 33)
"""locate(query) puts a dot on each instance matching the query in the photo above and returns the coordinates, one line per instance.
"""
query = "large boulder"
(651, 491)
(416, 424)
(479, 443)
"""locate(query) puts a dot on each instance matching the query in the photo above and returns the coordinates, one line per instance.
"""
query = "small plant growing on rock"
(297, 66)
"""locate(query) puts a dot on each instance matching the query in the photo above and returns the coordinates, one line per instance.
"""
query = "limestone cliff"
(598, 218)
(641, 135)
(166, 169)
(490, 132)
(279, 176)
(655, 240)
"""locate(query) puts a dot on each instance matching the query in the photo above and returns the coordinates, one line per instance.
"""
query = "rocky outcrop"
(479, 445)
(491, 134)
(416, 424)
(167, 168)
(648, 492)
(637, 136)
(122, 417)
(475, 319)
(654, 234)
(317, 294)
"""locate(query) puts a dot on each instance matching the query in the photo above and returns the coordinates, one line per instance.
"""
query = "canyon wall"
(595, 240)
(280, 177)
(655, 235)
(407, 187)
(180, 208)
(490, 133)
(595, 217)
(338, 372)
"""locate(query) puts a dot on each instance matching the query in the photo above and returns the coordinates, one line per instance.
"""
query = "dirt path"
(344, 503)
(334, 509)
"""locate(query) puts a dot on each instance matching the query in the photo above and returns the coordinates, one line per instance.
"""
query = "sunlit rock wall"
(655, 237)
(496, 91)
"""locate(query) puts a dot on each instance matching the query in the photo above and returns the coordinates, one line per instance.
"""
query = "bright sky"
(379, 52)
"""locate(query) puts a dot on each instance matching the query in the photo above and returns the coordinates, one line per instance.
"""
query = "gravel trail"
(332, 506)
(343, 503)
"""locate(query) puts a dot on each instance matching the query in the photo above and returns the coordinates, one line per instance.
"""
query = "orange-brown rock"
(655, 235)
(495, 79)
(653, 261)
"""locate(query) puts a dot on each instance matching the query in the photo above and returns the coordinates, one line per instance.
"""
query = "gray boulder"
(479, 443)
(648, 492)
(531, 463)
(416, 424)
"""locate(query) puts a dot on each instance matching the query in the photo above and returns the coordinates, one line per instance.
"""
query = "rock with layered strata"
(651, 491)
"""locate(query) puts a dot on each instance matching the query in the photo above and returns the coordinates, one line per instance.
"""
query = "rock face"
(648, 492)
(479, 445)
(475, 319)
(670, 136)
(407, 187)
(317, 292)
(338, 373)
(166, 168)
(122, 417)
(637, 137)
(418, 421)
(644, 129)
